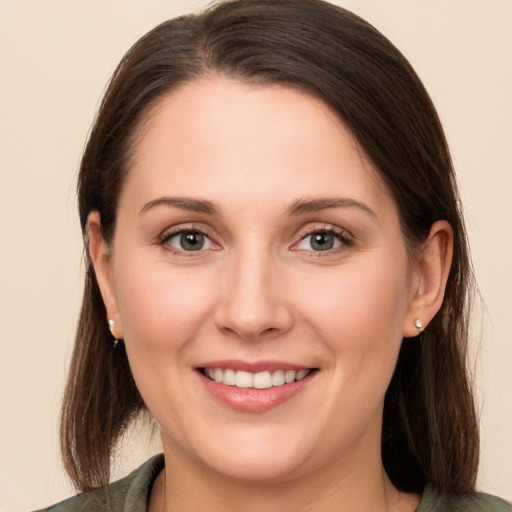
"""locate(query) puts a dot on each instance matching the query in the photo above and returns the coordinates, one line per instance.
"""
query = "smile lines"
(260, 380)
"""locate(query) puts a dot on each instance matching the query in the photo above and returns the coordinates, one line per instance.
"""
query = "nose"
(253, 300)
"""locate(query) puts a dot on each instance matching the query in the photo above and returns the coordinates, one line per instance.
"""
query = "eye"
(322, 240)
(188, 241)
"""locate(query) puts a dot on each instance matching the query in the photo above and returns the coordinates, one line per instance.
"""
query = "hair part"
(430, 430)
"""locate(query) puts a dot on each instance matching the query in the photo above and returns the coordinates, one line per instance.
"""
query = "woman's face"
(256, 244)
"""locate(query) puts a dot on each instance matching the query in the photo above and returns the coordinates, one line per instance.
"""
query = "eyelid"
(174, 231)
(345, 237)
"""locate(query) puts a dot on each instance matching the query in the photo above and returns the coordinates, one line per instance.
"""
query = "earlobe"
(431, 270)
(101, 259)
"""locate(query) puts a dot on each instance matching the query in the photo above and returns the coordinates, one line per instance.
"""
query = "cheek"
(161, 311)
(358, 306)
(358, 313)
(359, 318)
(160, 306)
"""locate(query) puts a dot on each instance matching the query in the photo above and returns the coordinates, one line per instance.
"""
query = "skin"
(260, 290)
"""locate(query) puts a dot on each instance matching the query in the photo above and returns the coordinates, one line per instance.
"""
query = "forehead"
(261, 142)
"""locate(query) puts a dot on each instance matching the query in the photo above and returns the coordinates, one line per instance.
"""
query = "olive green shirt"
(131, 494)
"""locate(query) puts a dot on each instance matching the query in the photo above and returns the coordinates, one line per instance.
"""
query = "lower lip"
(255, 400)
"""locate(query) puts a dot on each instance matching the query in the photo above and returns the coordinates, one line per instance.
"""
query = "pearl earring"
(111, 329)
(418, 324)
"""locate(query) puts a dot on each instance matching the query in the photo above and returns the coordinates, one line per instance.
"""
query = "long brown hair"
(430, 428)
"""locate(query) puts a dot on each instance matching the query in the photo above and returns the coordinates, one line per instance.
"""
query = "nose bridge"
(253, 301)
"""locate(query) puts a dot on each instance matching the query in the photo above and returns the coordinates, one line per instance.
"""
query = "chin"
(260, 466)
(263, 454)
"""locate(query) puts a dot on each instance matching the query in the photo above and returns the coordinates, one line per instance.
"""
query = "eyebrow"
(183, 203)
(302, 206)
(298, 207)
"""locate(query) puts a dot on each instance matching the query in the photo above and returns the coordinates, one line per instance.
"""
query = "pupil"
(192, 241)
(322, 242)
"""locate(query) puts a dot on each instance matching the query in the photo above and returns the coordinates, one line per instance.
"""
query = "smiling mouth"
(259, 380)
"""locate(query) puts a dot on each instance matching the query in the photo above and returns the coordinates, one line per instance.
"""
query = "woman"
(277, 272)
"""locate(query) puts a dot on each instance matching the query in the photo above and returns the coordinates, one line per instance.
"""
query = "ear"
(101, 258)
(431, 267)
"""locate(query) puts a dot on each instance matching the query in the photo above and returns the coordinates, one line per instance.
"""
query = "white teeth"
(260, 380)
(289, 376)
(301, 374)
(278, 378)
(243, 379)
(229, 378)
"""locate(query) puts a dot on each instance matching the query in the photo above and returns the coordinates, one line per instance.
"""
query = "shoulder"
(433, 501)
(128, 494)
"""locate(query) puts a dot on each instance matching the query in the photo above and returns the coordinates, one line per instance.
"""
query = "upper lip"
(253, 366)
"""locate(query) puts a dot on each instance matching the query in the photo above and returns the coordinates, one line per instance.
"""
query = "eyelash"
(168, 235)
(345, 239)
(340, 235)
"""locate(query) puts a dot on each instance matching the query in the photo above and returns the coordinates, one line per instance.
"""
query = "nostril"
(250, 331)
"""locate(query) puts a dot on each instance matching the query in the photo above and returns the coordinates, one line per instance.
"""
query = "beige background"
(55, 58)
